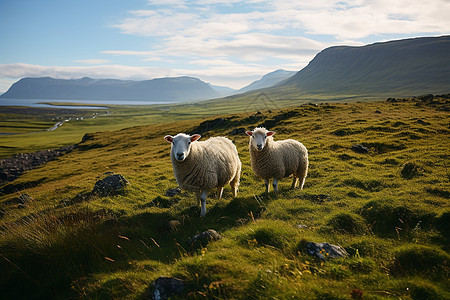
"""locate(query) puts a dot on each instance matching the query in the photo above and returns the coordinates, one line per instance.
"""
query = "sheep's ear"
(249, 133)
(269, 133)
(195, 137)
(169, 138)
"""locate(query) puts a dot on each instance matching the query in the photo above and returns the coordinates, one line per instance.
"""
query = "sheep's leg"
(197, 196)
(275, 185)
(203, 196)
(234, 186)
(220, 192)
(267, 185)
(294, 182)
(302, 183)
(302, 177)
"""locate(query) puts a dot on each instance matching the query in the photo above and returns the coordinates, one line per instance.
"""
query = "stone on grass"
(324, 251)
(202, 239)
(173, 192)
(360, 149)
(110, 185)
(166, 287)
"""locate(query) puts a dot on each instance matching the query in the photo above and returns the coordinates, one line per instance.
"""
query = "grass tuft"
(411, 170)
(348, 223)
(420, 260)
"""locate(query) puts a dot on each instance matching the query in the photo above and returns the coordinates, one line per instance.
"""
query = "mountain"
(268, 80)
(175, 89)
(402, 67)
(223, 91)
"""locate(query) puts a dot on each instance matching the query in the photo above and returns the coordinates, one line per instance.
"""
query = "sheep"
(277, 159)
(201, 166)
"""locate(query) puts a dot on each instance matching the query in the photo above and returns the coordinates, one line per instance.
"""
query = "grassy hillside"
(388, 208)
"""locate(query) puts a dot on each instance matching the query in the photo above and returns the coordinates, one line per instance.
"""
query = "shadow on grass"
(44, 256)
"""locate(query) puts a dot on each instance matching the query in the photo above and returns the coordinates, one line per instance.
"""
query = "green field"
(389, 208)
(23, 129)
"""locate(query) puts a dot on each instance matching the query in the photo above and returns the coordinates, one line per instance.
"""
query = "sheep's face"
(181, 145)
(258, 137)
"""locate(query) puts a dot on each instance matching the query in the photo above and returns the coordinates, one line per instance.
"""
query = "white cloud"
(156, 23)
(128, 52)
(348, 19)
(93, 61)
(21, 70)
(247, 47)
(355, 19)
(213, 62)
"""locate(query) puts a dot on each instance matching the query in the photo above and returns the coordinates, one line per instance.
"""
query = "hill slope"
(388, 208)
(175, 89)
(397, 68)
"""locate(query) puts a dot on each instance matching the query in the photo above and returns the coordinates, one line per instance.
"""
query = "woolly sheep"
(277, 159)
(201, 166)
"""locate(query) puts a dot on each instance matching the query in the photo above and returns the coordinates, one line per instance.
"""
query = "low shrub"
(275, 234)
(386, 218)
(348, 223)
(361, 265)
(369, 247)
(420, 260)
(443, 224)
(411, 170)
(424, 290)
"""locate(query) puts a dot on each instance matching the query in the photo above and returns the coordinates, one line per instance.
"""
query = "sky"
(228, 43)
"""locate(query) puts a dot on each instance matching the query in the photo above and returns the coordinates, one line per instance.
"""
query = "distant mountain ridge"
(268, 80)
(412, 66)
(169, 89)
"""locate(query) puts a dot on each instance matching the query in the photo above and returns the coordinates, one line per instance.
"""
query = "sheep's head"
(181, 144)
(258, 137)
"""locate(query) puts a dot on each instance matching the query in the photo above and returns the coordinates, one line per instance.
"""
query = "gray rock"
(319, 199)
(360, 149)
(202, 239)
(110, 185)
(324, 251)
(173, 192)
(165, 287)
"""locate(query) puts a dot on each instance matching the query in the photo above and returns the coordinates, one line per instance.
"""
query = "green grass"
(394, 226)
(22, 129)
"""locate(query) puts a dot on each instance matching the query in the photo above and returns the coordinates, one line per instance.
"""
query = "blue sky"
(229, 43)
